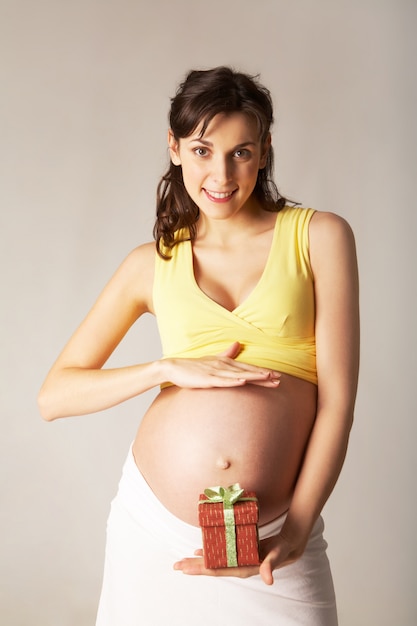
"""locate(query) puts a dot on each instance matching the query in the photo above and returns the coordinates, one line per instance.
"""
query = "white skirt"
(141, 588)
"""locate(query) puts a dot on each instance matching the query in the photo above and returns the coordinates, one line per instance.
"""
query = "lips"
(219, 196)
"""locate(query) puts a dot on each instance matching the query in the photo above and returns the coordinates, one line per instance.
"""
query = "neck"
(246, 222)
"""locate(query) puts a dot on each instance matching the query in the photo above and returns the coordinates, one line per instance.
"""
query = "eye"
(242, 154)
(200, 151)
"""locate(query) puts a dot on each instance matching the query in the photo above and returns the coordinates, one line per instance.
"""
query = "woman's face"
(220, 169)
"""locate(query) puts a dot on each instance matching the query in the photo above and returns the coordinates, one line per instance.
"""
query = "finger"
(232, 351)
(236, 572)
(271, 384)
(230, 367)
(275, 556)
(191, 566)
(265, 570)
(195, 567)
(233, 379)
(253, 369)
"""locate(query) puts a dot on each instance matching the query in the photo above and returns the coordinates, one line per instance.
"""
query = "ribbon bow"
(229, 496)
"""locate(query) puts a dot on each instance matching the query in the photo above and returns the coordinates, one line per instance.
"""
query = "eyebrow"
(209, 144)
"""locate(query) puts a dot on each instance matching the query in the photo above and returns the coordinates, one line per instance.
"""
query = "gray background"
(85, 89)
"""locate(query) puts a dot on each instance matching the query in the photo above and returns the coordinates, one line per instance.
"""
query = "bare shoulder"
(331, 239)
(325, 224)
(140, 259)
(126, 296)
(136, 272)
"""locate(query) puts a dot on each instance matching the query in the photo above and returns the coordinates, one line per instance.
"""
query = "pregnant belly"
(193, 439)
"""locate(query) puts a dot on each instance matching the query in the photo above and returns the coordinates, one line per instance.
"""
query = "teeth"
(220, 195)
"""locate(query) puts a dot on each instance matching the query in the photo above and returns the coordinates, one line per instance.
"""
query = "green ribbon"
(229, 496)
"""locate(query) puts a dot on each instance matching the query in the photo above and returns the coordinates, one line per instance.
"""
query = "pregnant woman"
(257, 307)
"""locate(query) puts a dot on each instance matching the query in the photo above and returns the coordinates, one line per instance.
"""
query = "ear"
(173, 148)
(265, 151)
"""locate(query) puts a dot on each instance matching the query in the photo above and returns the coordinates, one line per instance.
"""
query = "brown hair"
(203, 95)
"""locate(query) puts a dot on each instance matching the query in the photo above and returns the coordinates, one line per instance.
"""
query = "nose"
(222, 170)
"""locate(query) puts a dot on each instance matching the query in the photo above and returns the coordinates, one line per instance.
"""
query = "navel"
(223, 463)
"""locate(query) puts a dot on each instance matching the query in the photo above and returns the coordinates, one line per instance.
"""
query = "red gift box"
(228, 518)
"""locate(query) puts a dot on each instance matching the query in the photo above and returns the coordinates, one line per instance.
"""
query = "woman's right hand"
(221, 370)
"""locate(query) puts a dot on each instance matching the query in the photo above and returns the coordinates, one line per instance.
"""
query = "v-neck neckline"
(256, 288)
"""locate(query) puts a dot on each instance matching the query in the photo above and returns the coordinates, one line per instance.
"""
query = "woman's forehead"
(237, 122)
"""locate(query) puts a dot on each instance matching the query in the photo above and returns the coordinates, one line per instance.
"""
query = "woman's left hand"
(276, 552)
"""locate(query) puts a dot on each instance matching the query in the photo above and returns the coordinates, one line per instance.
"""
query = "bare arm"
(333, 260)
(77, 383)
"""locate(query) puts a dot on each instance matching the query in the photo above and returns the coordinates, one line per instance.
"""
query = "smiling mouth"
(219, 195)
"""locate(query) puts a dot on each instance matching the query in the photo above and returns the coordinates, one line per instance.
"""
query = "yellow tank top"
(274, 324)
